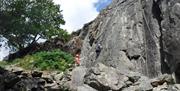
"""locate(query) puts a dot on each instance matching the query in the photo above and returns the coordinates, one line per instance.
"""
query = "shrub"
(47, 60)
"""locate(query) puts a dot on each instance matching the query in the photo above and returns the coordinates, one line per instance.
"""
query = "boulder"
(33, 84)
(161, 80)
(52, 87)
(105, 78)
(15, 69)
(36, 74)
(144, 84)
(57, 77)
(163, 87)
(77, 78)
(10, 79)
(175, 87)
(85, 88)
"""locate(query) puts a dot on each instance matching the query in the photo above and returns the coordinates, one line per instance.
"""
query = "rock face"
(129, 35)
(132, 36)
(170, 35)
(135, 35)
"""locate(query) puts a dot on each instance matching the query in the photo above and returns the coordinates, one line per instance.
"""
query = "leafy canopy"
(23, 22)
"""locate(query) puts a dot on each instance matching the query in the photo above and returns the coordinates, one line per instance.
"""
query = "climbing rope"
(151, 34)
(146, 65)
(146, 48)
(146, 22)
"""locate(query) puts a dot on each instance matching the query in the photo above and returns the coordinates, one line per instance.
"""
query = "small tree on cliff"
(23, 22)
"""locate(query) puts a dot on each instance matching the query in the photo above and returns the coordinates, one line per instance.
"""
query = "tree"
(23, 22)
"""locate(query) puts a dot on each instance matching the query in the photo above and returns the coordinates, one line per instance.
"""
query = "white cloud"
(3, 50)
(77, 12)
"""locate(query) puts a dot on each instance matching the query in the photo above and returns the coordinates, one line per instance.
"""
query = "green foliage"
(65, 35)
(3, 64)
(25, 21)
(51, 60)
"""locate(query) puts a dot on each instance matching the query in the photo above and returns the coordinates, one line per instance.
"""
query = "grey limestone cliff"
(129, 36)
(135, 35)
(133, 45)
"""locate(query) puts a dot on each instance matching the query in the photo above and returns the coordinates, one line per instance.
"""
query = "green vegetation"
(3, 64)
(46, 60)
(23, 22)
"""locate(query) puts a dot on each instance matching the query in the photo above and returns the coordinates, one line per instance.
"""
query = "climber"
(98, 50)
(77, 57)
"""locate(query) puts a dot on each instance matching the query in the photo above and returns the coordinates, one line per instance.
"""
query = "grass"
(3, 64)
(45, 60)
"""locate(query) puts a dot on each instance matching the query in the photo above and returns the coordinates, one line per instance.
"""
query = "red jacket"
(77, 59)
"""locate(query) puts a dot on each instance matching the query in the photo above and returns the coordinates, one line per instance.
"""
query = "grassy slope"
(45, 60)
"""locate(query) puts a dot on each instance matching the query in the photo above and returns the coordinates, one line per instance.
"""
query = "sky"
(4, 51)
(78, 12)
(102, 4)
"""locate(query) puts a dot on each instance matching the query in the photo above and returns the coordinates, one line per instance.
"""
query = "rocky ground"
(97, 78)
(104, 78)
(17, 79)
